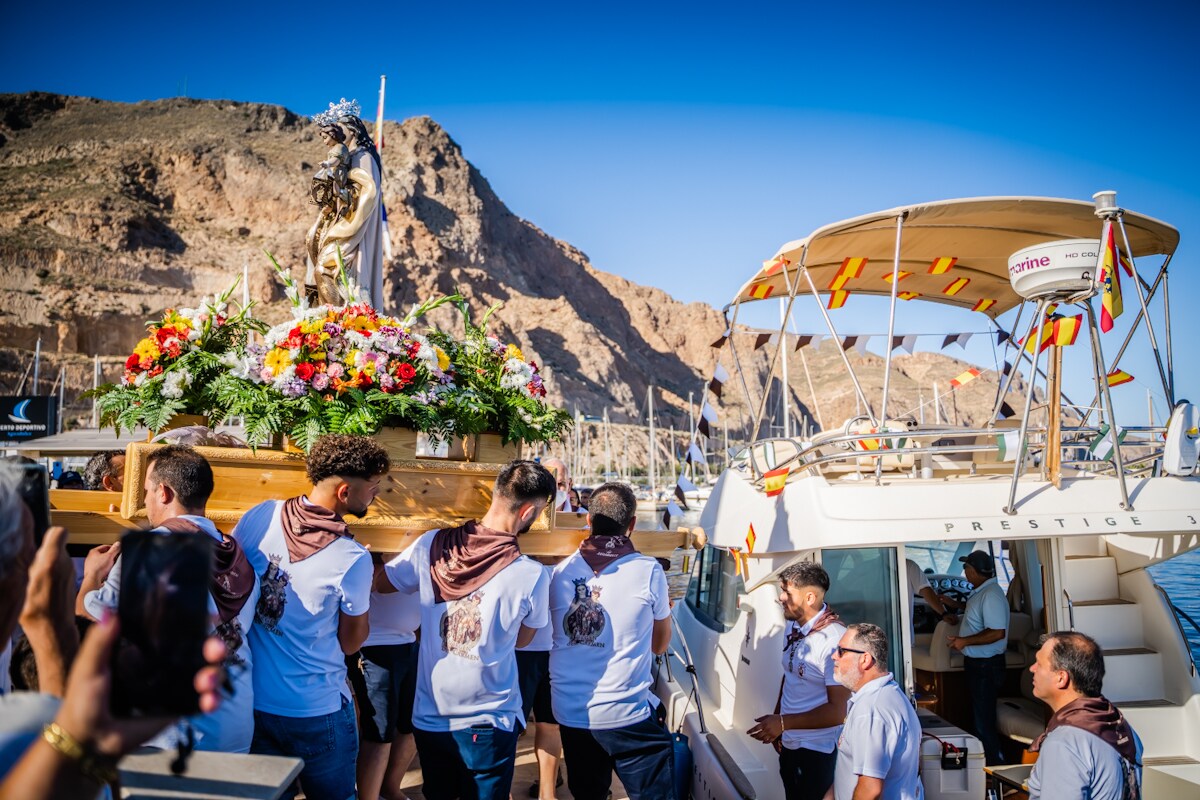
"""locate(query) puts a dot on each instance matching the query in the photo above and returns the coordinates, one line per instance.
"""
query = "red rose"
(131, 362)
(405, 372)
(305, 371)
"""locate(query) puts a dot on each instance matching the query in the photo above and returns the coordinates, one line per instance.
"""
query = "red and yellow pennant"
(750, 539)
(956, 286)
(1111, 305)
(942, 265)
(775, 265)
(838, 282)
(983, 305)
(774, 481)
(1044, 337)
(1066, 329)
(909, 295)
(964, 378)
(760, 291)
(901, 275)
(837, 299)
(852, 267)
(1118, 376)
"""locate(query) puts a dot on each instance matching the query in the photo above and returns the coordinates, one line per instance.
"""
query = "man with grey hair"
(562, 478)
(808, 715)
(879, 753)
(611, 614)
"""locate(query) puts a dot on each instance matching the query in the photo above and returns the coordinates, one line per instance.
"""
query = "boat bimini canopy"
(979, 233)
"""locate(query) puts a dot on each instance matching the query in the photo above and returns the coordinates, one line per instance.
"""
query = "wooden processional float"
(418, 494)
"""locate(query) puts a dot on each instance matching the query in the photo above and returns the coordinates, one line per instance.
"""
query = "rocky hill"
(111, 212)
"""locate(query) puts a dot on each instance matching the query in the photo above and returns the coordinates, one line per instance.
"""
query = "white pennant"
(685, 484)
(909, 342)
(708, 412)
(816, 340)
(694, 454)
(673, 509)
(720, 374)
(861, 345)
(962, 340)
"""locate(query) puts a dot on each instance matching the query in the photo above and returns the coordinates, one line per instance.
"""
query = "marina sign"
(27, 417)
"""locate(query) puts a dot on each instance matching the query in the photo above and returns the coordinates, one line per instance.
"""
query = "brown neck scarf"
(599, 550)
(1099, 717)
(464, 558)
(308, 529)
(827, 618)
(233, 578)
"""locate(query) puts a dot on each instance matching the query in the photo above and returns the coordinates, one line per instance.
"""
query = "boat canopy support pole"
(1102, 385)
(845, 358)
(1008, 379)
(887, 360)
(780, 348)
(1160, 279)
(1170, 352)
(1137, 282)
(1023, 436)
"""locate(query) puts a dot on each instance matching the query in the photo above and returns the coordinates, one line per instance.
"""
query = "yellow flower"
(147, 348)
(278, 360)
(369, 368)
(514, 352)
(443, 359)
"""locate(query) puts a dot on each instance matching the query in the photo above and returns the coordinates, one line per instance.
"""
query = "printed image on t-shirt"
(584, 620)
(462, 626)
(272, 597)
(233, 637)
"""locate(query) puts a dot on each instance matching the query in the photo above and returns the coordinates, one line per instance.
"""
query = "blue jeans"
(472, 764)
(984, 677)
(328, 745)
(642, 754)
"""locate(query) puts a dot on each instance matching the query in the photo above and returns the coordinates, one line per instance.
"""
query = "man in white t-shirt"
(811, 704)
(611, 615)
(316, 588)
(480, 600)
(879, 752)
(533, 672)
(178, 483)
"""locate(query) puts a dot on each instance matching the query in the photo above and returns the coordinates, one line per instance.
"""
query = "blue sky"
(679, 145)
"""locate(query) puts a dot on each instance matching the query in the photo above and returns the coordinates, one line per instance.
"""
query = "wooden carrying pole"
(1054, 418)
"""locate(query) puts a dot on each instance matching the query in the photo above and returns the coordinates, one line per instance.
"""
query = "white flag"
(910, 342)
(685, 484)
(673, 509)
(694, 455)
(708, 412)
(720, 374)
(861, 345)
(963, 338)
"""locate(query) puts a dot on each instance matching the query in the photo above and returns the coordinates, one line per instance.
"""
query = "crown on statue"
(337, 112)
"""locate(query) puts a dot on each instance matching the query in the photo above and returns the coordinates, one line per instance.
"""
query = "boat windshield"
(941, 558)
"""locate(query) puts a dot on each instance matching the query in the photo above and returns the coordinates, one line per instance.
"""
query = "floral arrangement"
(173, 369)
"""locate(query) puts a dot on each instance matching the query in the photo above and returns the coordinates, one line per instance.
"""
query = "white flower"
(173, 383)
(140, 379)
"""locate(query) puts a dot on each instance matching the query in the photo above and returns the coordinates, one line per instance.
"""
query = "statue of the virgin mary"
(348, 191)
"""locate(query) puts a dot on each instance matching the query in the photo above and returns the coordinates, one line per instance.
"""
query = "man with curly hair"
(312, 612)
(105, 471)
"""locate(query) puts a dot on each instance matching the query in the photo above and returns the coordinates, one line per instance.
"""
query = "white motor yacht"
(1074, 531)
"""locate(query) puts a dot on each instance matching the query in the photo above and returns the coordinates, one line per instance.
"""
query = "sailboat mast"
(653, 466)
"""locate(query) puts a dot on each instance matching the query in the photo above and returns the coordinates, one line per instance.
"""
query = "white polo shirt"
(881, 738)
(468, 663)
(807, 672)
(1077, 765)
(987, 607)
(603, 626)
(394, 619)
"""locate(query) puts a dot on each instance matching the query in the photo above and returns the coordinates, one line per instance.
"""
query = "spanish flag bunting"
(750, 539)
(837, 298)
(775, 265)
(1111, 305)
(1066, 329)
(956, 286)
(1118, 376)
(774, 480)
(941, 265)
(742, 561)
(964, 378)
(901, 275)
(838, 282)
(909, 295)
(760, 291)
(871, 444)
(852, 267)
(1045, 337)
(983, 305)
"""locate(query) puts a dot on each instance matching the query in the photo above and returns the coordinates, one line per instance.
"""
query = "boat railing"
(1178, 613)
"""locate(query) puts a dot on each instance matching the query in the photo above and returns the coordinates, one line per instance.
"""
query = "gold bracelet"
(98, 768)
(782, 724)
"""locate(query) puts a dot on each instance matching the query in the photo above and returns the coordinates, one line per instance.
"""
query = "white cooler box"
(952, 784)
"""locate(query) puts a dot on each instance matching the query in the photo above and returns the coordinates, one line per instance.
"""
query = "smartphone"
(164, 615)
(35, 491)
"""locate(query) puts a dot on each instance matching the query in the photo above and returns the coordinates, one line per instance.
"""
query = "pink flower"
(320, 381)
(336, 370)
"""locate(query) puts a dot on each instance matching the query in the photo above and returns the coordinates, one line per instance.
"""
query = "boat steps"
(1168, 761)
(1091, 578)
(1115, 624)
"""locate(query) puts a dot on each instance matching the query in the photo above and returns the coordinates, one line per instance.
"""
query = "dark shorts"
(384, 679)
(533, 676)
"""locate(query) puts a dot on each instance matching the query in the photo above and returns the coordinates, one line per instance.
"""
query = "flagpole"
(95, 385)
(1102, 385)
(1137, 284)
(1053, 459)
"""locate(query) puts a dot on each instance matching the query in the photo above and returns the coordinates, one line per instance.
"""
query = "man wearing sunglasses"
(879, 751)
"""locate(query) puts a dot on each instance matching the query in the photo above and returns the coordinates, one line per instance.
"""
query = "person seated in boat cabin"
(806, 723)
(316, 590)
(178, 483)
(105, 471)
(480, 599)
(610, 612)
(1088, 749)
(879, 750)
